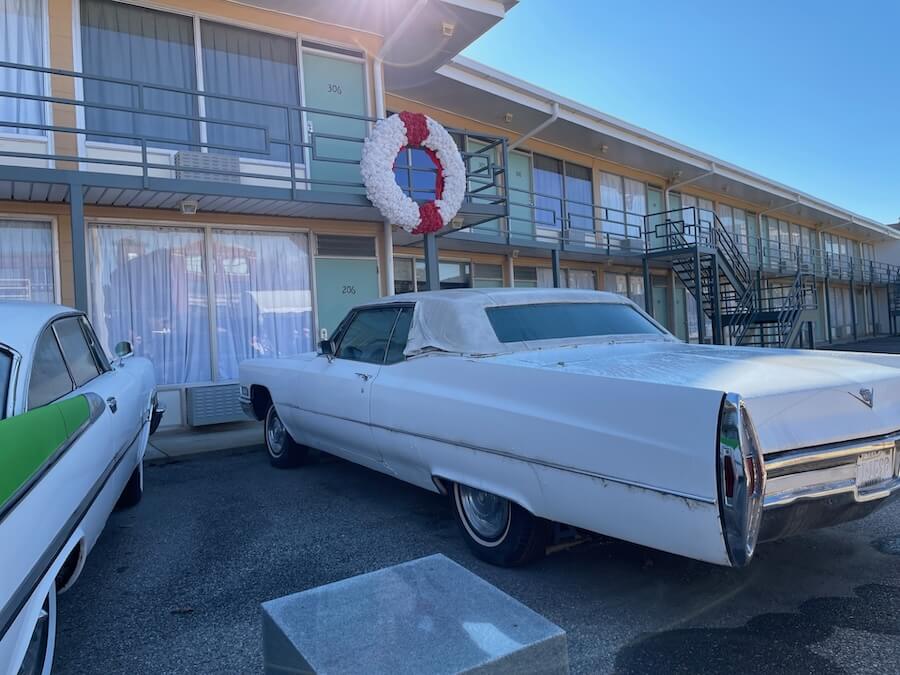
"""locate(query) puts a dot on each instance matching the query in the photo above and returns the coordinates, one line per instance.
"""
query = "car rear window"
(560, 320)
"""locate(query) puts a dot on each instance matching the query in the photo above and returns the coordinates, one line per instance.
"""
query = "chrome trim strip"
(509, 455)
(96, 407)
(26, 589)
(820, 490)
(791, 458)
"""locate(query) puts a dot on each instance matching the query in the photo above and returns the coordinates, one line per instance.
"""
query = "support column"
(828, 326)
(509, 271)
(872, 307)
(388, 258)
(853, 309)
(718, 338)
(811, 333)
(79, 246)
(648, 288)
(557, 271)
(698, 293)
(432, 270)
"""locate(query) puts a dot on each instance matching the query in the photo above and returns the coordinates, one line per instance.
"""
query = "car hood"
(796, 398)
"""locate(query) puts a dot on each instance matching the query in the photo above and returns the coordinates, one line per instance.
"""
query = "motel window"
(148, 285)
(263, 300)
(127, 42)
(404, 277)
(525, 277)
(584, 279)
(452, 274)
(249, 64)
(612, 201)
(579, 197)
(26, 261)
(548, 192)
(488, 276)
(24, 40)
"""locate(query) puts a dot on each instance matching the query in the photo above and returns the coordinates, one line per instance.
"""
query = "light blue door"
(339, 86)
(341, 284)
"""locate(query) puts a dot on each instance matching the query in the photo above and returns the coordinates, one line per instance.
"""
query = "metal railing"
(150, 131)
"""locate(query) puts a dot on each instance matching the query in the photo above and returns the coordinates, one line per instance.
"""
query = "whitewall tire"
(497, 530)
(284, 452)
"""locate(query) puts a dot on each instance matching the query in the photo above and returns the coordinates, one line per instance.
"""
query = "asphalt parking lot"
(174, 585)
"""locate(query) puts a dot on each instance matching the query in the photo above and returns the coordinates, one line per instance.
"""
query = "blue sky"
(803, 92)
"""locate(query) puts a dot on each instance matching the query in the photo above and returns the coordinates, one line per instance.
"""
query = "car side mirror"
(124, 349)
(327, 348)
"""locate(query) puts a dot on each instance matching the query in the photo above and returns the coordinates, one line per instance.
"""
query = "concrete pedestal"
(425, 616)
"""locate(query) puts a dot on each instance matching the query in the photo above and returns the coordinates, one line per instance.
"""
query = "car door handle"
(112, 403)
(364, 376)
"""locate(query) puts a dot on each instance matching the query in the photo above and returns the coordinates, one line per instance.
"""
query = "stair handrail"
(733, 254)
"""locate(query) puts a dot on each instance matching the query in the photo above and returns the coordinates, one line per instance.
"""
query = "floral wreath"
(413, 130)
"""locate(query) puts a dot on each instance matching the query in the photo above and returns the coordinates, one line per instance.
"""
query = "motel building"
(188, 174)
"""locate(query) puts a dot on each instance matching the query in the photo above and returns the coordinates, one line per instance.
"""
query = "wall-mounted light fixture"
(189, 207)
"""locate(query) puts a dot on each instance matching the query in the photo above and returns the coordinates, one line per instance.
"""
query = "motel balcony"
(93, 140)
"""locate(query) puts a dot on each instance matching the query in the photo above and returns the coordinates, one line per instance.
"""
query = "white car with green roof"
(73, 429)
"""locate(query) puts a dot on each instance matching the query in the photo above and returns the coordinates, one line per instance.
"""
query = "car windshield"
(560, 320)
(5, 370)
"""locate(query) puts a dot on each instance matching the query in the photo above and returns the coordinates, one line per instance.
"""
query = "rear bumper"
(818, 487)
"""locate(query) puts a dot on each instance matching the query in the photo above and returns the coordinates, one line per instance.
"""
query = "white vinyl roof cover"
(455, 320)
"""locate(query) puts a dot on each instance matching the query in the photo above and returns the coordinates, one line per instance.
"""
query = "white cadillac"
(73, 429)
(529, 407)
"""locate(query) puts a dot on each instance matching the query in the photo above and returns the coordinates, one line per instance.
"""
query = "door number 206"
(348, 290)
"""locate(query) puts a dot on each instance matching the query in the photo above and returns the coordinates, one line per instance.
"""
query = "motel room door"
(521, 215)
(337, 84)
(346, 276)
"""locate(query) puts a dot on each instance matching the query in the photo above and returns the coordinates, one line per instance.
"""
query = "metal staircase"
(712, 266)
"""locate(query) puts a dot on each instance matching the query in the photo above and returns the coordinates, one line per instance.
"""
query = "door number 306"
(349, 290)
(335, 89)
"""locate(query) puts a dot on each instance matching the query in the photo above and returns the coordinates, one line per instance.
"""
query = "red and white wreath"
(413, 130)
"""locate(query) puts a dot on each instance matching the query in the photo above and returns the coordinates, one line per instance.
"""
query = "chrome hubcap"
(487, 514)
(275, 434)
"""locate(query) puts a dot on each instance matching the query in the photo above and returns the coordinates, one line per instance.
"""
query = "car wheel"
(134, 489)
(39, 654)
(284, 451)
(497, 530)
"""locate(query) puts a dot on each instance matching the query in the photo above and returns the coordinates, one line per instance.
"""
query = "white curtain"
(612, 197)
(22, 41)
(26, 261)
(636, 206)
(579, 197)
(148, 286)
(580, 279)
(263, 298)
(548, 186)
(544, 277)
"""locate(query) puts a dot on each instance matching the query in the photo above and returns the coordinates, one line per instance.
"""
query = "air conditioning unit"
(213, 404)
(581, 237)
(198, 165)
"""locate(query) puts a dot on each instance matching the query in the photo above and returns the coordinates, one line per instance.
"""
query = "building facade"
(188, 174)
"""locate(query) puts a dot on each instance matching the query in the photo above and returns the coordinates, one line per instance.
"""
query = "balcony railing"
(116, 132)
(684, 228)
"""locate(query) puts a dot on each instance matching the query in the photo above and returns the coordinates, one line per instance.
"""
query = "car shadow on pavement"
(772, 643)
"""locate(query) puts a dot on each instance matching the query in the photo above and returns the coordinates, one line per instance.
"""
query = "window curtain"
(579, 197)
(263, 297)
(257, 66)
(636, 206)
(26, 261)
(545, 277)
(22, 40)
(612, 199)
(148, 286)
(548, 186)
(580, 279)
(141, 45)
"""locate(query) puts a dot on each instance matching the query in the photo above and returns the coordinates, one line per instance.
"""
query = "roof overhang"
(473, 90)
(420, 36)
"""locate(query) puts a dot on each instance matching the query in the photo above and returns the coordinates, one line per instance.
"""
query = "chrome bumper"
(818, 487)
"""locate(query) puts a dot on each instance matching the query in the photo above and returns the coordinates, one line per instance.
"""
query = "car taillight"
(741, 480)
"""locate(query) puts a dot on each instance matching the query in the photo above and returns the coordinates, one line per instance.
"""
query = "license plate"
(874, 467)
